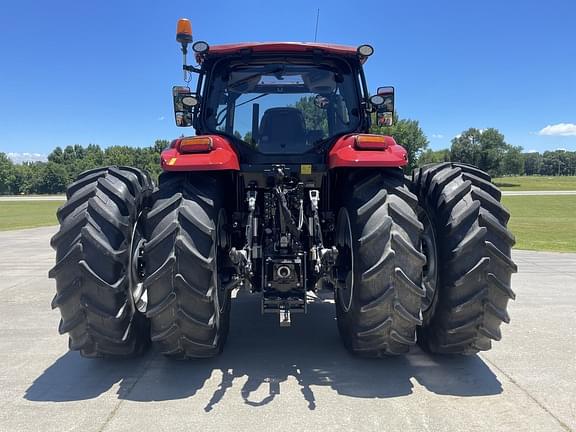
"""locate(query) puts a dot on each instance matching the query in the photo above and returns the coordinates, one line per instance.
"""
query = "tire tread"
(92, 255)
(474, 285)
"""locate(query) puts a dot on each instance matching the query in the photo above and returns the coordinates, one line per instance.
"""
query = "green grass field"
(535, 183)
(545, 223)
(27, 214)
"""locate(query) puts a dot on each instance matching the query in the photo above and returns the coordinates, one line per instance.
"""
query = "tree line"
(486, 149)
(64, 165)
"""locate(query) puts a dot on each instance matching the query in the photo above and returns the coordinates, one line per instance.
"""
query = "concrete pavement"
(299, 378)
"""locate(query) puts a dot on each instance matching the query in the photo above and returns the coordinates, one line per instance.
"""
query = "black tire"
(378, 299)
(188, 310)
(473, 255)
(92, 259)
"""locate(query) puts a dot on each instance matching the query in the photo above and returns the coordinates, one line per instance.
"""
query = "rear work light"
(365, 50)
(196, 145)
(371, 142)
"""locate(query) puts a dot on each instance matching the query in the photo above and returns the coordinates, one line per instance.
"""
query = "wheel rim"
(430, 270)
(345, 262)
(135, 276)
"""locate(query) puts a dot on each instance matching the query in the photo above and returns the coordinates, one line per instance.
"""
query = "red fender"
(222, 156)
(347, 152)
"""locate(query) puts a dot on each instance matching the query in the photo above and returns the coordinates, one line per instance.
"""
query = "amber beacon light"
(184, 37)
(184, 31)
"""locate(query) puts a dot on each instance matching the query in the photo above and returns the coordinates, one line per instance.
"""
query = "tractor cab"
(273, 100)
(281, 108)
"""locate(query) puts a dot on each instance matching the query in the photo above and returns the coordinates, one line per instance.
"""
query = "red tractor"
(282, 191)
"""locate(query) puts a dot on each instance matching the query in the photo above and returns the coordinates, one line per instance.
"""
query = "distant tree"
(513, 162)
(153, 165)
(493, 148)
(532, 163)
(53, 179)
(558, 162)
(485, 149)
(314, 117)
(64, 165)
(119, 155)
(56, 156)
(433, 156)
(23, 179)
(69, 155)
(248, 140)
(571, 159)
(79, 151)
(94, 156)
(553, 163)
(159, 146)
(408, 134)
(6, 173)
(466, 147)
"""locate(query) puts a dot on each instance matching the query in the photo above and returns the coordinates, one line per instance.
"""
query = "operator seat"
(282, 130)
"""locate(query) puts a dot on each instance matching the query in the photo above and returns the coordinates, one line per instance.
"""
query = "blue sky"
(76, 72)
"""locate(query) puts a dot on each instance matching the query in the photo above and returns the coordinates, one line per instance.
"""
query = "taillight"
(371, 142)
(196, 145)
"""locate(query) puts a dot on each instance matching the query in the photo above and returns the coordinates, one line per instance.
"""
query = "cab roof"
(282, 47)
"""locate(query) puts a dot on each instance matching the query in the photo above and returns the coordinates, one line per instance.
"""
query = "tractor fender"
(346, 153)
(221, 157)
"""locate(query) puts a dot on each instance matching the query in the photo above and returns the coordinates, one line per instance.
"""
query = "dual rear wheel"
(113, 231)
(426, 260)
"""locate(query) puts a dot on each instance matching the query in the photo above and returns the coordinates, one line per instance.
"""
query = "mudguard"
(223, 156)
(346, 153)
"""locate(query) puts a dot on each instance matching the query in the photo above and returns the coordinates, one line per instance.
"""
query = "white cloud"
(532, 151)
(27, 157)
(559, 129)
(437, 136)
(161, 118)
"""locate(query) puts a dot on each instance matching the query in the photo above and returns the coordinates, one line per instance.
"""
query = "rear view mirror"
(383, 102)
(184, 104)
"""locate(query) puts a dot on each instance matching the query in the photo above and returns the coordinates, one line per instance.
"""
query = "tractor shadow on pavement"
(260, 356)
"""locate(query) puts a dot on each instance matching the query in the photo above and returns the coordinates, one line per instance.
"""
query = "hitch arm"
(242, 259)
